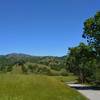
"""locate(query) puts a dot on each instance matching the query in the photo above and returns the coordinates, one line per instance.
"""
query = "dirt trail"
(89, 92)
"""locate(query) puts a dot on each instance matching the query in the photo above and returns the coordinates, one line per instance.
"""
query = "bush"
(63, 72)
(24, 69)
(33, 68)
(9, 68)
(54, 73)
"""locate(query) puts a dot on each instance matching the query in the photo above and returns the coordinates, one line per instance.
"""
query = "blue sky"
(43, 27)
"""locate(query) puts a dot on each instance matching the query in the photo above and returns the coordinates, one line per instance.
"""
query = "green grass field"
(70, 78)
(35, 87)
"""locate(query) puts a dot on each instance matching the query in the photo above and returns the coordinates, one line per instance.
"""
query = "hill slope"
(32, 64)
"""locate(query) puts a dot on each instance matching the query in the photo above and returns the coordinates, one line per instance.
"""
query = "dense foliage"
(92, 34)
(81, 62)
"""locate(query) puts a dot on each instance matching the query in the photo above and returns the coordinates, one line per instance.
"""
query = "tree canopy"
(92, 32)
(81, 62)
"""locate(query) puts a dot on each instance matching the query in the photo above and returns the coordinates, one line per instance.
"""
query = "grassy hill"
(35, 87)
(23, 63)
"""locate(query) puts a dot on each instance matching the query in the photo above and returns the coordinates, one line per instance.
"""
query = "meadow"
(36, 87)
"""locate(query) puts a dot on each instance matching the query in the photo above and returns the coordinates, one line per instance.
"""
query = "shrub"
(24, 69)
(63, 72)
(9, 68)
(54, 73)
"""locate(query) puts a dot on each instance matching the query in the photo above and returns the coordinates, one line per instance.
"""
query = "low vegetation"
(35, 87)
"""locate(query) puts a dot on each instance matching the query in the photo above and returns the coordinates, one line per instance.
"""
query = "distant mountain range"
(21, 55)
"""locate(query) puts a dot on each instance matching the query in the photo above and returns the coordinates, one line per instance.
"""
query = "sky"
(43, 27)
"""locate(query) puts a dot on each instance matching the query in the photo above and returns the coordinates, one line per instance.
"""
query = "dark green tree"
(92, 34)
(81, 62)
